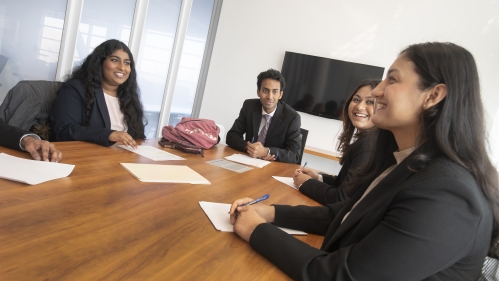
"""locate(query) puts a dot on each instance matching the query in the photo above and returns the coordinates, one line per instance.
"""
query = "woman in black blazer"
(105, 83)
(357, 113)
(427, 202)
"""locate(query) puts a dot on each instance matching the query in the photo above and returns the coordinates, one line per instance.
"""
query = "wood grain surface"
(101, 223)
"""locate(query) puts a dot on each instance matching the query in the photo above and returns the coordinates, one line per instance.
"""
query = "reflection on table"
(101, 223)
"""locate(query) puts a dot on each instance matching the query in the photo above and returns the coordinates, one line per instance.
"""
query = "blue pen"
(252, 139)
(264, 197)
(304, 165)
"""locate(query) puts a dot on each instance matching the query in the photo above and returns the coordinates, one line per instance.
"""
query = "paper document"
(229, 165)
(31, 171)
(219, 217)
(164, 173)
(286, 180)
(152, 153)
(245, 159)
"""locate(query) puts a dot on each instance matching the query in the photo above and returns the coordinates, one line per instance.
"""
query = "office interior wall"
(252, 36)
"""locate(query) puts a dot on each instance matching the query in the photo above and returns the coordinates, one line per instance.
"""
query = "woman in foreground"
(427, 202)
(356, 116)
(100, 103)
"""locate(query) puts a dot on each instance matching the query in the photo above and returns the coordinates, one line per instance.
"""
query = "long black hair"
(455, 127)
(90, 73)
(348, 133)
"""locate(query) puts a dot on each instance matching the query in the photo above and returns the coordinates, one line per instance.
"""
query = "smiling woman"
(426, 205)
(356, 116)
(115, 71)
(100, 102)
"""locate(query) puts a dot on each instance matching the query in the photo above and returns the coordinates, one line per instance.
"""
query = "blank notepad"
(164, 173)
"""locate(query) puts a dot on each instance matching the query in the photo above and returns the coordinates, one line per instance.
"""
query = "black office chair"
(303, 135)
(490, 270)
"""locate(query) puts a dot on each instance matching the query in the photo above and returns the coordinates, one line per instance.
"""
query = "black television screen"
(320, 86)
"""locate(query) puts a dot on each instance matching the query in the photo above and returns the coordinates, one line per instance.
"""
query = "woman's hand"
(122, 137)
(246, 218)
(309, 172)
(299, 178)
(246, 223)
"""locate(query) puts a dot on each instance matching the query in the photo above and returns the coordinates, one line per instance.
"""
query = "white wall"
(253, 35)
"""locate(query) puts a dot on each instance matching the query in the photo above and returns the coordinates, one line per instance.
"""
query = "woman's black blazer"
(330, 190)
(430, 225)
(68, 116)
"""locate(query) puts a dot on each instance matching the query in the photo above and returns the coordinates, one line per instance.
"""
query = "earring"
(424, 105)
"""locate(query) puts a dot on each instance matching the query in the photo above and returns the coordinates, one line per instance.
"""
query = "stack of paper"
(245, 159)
(31, 171)
(164, 173)
(218, 213)
(152, 153)
(286, 180)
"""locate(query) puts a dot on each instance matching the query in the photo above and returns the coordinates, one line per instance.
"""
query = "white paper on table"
(152, 153)
(31, 171)
(164, 173)
(245, 159)
(286, 180)
(218, 213)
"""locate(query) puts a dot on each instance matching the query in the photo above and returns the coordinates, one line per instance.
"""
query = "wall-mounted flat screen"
(320, 86)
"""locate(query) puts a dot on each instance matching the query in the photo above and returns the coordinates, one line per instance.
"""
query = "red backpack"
(191, 135)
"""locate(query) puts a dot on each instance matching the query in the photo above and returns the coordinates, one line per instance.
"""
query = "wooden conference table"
(101, 223)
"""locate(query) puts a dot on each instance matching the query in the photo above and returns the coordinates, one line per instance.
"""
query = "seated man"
(272, 127)
(16, 138)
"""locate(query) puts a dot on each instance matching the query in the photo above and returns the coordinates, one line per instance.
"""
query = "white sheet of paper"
(31, 171)
(152, 153)
(245, 159)
(218, 213)
(286, 180)
(164, 173)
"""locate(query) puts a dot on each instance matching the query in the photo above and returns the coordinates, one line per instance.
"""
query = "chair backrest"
(28, 105)
(222, 133)
(303, 135)
(490, 270)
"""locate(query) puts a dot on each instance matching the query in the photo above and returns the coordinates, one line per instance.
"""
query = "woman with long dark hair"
(100, 102)
(356, 116)
(427, 203)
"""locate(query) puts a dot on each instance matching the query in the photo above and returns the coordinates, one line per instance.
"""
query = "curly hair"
(270, 74)
(347, 134)
(90, 73)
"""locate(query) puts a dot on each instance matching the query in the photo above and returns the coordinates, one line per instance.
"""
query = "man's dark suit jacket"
(69, 114)
(283, 136)
(431, 225)
(330, 191)
(10, 136)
